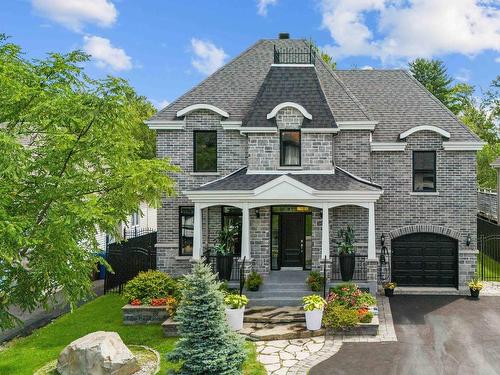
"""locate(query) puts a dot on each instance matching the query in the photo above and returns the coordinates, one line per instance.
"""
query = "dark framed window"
(290, 148)
(186, 227)
(232, 216)
(205, 150)
(424, 171)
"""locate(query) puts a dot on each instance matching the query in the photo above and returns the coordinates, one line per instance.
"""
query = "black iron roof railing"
(305, 55)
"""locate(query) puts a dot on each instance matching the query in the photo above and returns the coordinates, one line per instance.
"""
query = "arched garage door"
(424, 259)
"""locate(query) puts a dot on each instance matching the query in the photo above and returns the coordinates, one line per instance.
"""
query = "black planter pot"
(254, 288)
(474, 293)
(224, 266)
(389, 292)
(347, 264)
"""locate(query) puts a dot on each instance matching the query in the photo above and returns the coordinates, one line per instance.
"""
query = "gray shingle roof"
(291, 84)
(399, 102)
(340, 181)
(235, 86)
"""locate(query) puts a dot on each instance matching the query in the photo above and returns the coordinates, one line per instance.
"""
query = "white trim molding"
(388, 146)
(231, 125)
(293, 65)
(285, 170)
(320, 130)
(357, 125)
(463, 146)
(196, 107)
(166, 125)
(298, 107)
(258, 129)
(431, 128)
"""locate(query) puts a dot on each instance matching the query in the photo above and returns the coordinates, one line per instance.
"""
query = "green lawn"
(491, 268)
(25, 355)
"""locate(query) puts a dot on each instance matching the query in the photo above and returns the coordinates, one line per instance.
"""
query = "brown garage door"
(424, 259)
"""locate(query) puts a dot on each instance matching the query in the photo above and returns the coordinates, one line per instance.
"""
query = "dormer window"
(290, 148)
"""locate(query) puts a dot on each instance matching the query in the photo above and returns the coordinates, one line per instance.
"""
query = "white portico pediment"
(283, 187)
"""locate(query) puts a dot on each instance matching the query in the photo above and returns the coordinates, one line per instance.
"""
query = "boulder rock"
(98, 353)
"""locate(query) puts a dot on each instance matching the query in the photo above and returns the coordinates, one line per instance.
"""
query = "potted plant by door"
(224, 251)
(389, 289)
(347, 257)
(313, 306)
(475, 287)
(235, 310)
(254, 281)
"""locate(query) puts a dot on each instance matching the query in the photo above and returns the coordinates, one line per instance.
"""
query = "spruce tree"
(206, 344)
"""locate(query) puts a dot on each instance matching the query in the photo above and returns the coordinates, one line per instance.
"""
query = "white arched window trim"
(196, 107)
(431, 128)
(298, 107)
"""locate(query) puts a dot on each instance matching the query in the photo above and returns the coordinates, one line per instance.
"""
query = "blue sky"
(165, 47)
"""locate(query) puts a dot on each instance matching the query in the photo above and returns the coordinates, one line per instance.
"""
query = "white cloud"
(160, 104)
(262, 6)
(367, 67)
(75, 13)
(463, 75)
(208, 58)
(409, 29)
(497, 60)
(105, 55)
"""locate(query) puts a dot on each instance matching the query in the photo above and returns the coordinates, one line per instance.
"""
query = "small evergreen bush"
(315, 281)
(339, 317)
(254, 280)
(150, 285)
(206, 344)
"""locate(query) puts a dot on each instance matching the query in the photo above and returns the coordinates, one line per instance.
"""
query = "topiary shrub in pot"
(315, 280)
(235, 310)
(313, 307)
(254, 281)
(389, 289)
(224, 251)
(347, 257)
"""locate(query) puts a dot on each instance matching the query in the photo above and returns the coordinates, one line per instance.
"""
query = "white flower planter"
(313, 319)
(235, 318)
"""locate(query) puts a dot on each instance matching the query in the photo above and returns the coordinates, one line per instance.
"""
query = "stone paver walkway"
(293, 357)
(491, 288)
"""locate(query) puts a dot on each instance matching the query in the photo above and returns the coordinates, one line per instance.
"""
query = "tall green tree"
(433, 75)
(80, 167)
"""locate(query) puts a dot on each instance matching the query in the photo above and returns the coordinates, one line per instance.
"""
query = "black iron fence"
(488, 259)
(236, 272)
(360, 273)
(305, 55)
(127, 259)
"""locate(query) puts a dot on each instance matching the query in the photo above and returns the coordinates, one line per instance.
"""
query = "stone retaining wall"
(144, 314)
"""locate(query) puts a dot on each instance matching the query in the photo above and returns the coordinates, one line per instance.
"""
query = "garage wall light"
(468, 240)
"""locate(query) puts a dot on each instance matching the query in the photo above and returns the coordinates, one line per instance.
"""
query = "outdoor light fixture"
(468, 240)
(382, 239)
(257, 213)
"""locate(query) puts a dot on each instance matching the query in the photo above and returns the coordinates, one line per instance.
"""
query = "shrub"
(345, 295)
(366, 300)
(171, 305)
(206, 344)
(235, 301)
(339, 317)
(313, 302)
(475, 284)
(315, 281)
(366, 317)
(254, 280)
(150, 285)
(390, 285)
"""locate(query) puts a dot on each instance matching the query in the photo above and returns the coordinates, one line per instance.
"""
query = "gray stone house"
(292, 150)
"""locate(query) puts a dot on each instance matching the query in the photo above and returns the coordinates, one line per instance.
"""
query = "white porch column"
(197, 232)
(245, 231)
(371, 232)
(325, 233)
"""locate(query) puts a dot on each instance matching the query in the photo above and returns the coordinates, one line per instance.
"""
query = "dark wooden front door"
(424, 259)
(292, 240)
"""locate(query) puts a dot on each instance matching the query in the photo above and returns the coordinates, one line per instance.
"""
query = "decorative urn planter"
(389, 292)
(347, 264)
(474, 293)
(224, 266)
(235, 318)
(313, 319)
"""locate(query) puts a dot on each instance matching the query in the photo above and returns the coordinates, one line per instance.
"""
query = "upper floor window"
(290, 148)
(134, 219)
(205, 151)
(424, 171)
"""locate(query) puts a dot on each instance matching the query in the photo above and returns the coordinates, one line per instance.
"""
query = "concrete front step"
(298, 294)
(270, 314)
(426, 291)
(275, 301)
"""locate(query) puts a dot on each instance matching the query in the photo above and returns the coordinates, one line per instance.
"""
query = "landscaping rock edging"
(144, 314)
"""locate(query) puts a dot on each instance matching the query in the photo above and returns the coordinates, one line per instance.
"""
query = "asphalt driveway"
(436, 335)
